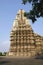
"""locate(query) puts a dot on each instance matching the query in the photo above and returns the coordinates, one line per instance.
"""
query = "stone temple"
(23, 40)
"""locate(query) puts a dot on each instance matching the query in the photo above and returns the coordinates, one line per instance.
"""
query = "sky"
(8, 11)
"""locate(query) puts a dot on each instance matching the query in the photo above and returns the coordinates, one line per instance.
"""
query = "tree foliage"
(0, 53)
(37, 9)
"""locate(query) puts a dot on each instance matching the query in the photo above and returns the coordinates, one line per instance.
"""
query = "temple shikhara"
(23, 40)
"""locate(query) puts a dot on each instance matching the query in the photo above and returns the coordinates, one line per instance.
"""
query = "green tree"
(37, 9)
(0, 53)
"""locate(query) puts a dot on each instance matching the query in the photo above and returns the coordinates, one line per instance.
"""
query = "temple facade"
(23, 40)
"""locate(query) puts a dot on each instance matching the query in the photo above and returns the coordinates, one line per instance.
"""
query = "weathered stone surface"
(23, 41)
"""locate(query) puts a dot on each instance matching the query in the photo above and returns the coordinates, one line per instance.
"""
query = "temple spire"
(23, 40)
(20, 18)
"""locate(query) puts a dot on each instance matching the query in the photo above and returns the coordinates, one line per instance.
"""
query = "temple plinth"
(23, 40)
